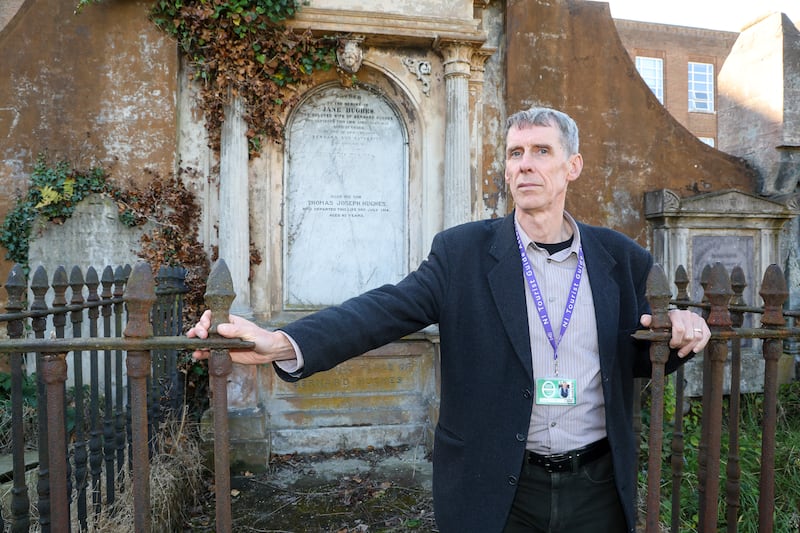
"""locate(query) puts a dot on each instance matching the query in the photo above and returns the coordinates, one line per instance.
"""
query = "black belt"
(572, 460)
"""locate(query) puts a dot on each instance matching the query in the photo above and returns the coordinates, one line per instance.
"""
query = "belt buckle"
(556, 463)
(558, 457)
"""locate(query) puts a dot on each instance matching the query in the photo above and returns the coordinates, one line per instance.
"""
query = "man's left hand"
(690, 333)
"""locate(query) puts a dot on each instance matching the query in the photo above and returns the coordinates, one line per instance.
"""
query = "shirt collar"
(563, 254)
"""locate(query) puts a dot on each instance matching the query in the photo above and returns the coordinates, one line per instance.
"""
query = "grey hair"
(544, 116)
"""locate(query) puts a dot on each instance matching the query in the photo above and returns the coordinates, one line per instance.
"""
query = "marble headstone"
(345, 218)
(731, 251)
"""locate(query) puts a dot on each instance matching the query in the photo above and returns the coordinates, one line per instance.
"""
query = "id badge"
(555, 391)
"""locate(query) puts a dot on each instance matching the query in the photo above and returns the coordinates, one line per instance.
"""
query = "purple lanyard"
(538, 301)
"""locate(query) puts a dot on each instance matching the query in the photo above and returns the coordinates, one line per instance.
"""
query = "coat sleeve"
(379, 316)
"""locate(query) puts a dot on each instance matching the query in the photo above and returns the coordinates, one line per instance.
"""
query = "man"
(526, 306)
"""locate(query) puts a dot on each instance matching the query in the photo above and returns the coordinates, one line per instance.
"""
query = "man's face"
(538, 168)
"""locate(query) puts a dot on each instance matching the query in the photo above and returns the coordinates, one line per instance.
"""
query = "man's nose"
(527, 162)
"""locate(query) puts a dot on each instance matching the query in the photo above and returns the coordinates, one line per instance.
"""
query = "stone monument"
(729, 227)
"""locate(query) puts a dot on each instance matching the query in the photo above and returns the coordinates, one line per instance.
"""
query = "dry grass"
(176, 475)
(29, 424)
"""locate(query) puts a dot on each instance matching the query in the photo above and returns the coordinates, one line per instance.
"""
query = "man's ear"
(575, 167)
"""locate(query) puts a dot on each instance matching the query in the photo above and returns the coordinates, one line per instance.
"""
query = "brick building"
(680, 65)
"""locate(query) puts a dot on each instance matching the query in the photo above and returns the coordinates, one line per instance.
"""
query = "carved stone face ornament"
(349, 56)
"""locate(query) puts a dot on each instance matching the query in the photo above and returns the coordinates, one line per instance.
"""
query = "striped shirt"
(559, 428)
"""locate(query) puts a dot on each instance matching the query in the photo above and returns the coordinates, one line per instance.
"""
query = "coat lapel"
(605, 293)
(507, 286)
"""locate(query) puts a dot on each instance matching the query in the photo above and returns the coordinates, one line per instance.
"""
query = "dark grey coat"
(472, 285)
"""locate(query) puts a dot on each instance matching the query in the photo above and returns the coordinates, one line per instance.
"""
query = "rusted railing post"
(107, 280)
(59, 319)
(734, 471)
(95, 429)
(54, 375)
(140, 296)
(719, 319)
(658, 294)
(79, 445)
(120, 418)
(676, 463)
(16, 286)
(218, 297)
(39, 287)
(774, 292)
(702, 451)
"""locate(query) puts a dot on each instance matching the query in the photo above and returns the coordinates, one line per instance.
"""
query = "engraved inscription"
(372, 375)
(731, 251)
(347, 206)
(345, 198)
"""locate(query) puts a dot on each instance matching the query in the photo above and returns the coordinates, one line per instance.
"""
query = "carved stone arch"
(347, 191)
(268, 176)
(407, 95)
(9, 9)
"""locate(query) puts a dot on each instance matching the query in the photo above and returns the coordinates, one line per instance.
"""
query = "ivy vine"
(234, 48)
(52, 194)
(55, 189)
(243, 48)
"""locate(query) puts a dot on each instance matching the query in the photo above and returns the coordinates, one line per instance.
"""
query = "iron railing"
(724, 309)
(722, 305)
(118, 434)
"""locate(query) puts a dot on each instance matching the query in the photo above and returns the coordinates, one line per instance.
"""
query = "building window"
(651, 69)
(701, 87)
(708, 140)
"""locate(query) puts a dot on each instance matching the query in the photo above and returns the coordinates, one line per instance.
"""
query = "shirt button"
(512, 480)
(521, 437)
(552, 424)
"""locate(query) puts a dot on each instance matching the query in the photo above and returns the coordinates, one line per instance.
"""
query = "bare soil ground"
(375, 490)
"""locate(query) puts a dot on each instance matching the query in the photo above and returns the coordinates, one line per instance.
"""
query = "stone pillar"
(457, 186)
(234, 200)
(477, 67)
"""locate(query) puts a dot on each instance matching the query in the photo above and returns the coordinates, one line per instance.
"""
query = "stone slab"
(346, 198)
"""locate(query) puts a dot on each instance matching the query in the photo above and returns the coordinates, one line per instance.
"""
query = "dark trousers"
(585, 501)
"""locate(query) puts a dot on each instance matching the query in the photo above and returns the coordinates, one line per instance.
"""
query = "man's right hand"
(269, 345)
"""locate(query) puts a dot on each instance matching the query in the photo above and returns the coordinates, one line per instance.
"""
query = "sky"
(728, 15)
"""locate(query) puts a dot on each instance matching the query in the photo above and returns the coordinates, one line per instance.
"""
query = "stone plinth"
(385, 397)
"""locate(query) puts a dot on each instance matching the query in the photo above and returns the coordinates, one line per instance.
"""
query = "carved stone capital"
(480, 56)
(457, 57)
(478, 62)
